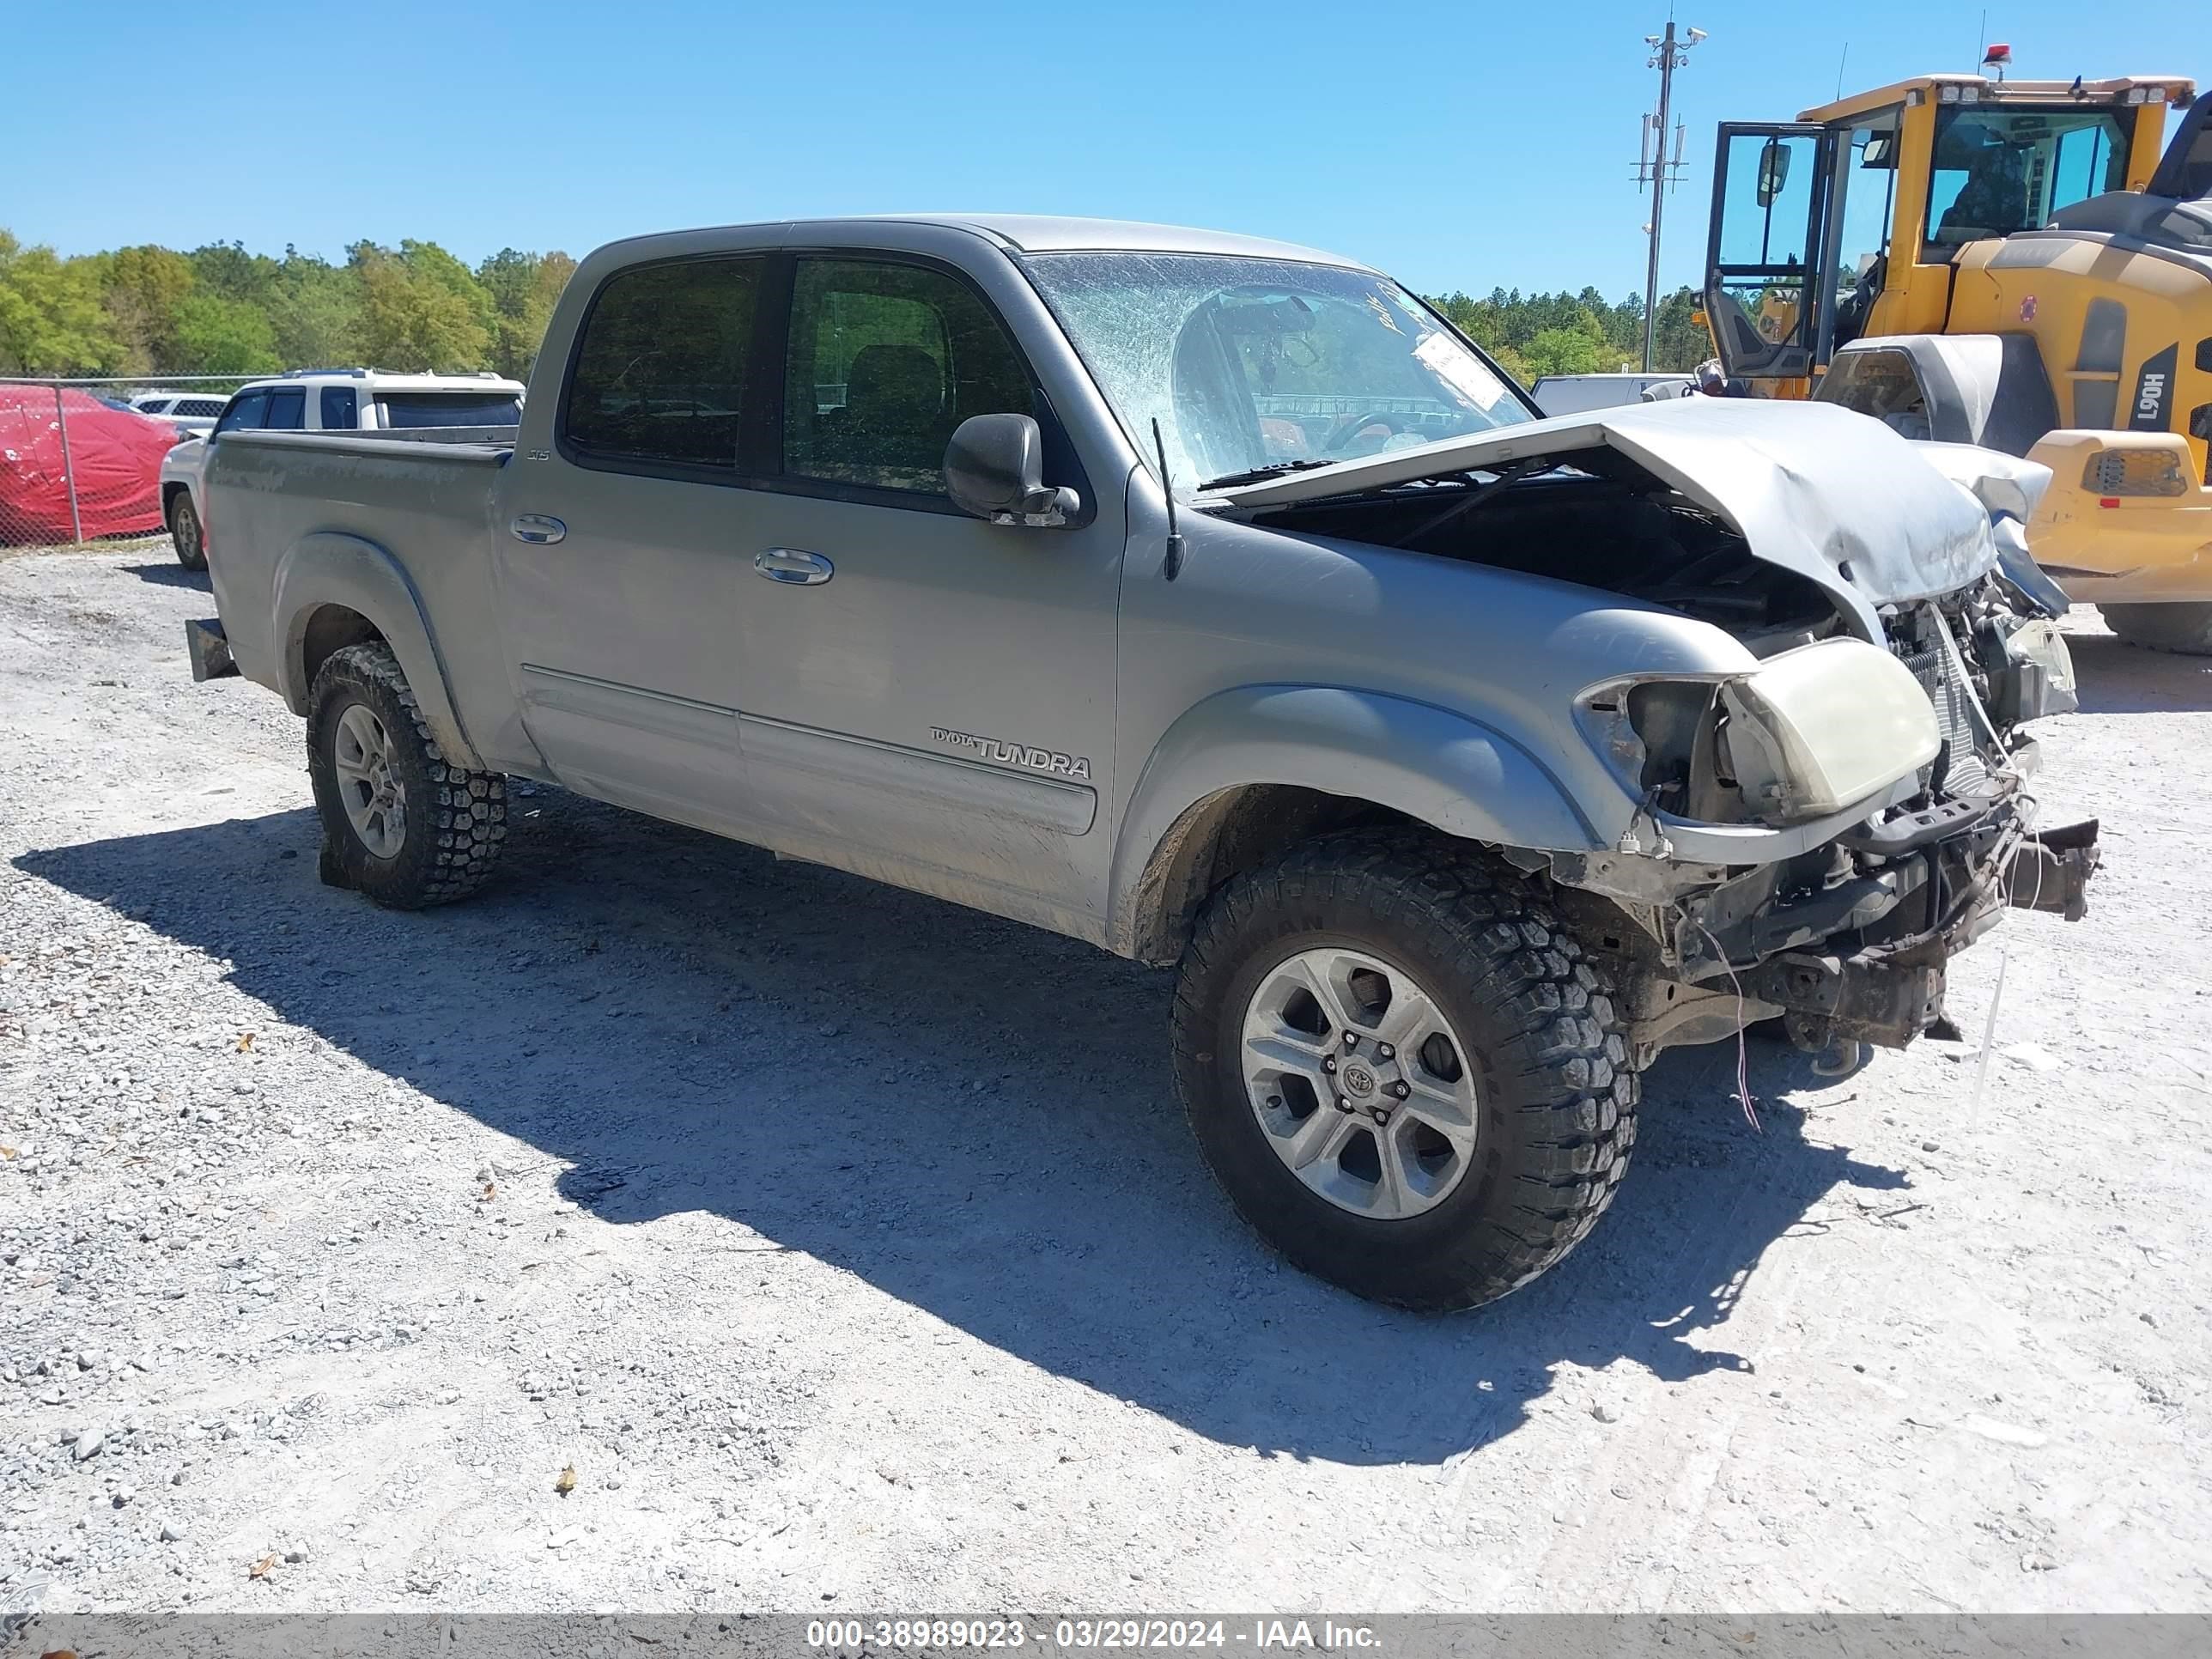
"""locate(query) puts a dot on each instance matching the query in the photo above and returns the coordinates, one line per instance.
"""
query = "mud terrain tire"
(1555, 1094)
(2185, 630)
(451, 821)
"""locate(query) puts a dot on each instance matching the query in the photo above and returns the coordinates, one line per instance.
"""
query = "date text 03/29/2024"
(1084, 1635)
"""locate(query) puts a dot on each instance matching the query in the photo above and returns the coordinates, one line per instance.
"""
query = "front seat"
(894, 418)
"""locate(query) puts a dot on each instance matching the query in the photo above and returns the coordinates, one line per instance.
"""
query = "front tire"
(2183, 628)
(184, 530)
(400, 823)
(1407, 977)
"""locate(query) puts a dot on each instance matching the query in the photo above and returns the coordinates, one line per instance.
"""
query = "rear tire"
(1531, 1026)
(184, 530)
(400, 823)
(2185, 628)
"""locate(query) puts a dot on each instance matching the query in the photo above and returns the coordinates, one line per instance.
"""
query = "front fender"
(1443, 769)
(327, 568)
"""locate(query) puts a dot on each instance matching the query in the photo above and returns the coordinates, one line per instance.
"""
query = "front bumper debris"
(1887, 993)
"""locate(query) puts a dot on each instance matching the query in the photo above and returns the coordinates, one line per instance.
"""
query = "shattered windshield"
(1256, 367)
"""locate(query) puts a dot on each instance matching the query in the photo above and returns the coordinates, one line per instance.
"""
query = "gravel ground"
(850, 1251)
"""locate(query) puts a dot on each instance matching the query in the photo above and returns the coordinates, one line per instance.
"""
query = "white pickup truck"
(1211, 600)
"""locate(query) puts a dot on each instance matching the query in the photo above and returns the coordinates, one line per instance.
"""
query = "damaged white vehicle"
(1213, 601)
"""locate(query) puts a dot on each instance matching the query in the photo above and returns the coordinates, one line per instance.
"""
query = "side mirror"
(1773, 171)
(994, 468)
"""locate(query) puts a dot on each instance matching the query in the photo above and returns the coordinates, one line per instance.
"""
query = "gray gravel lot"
(851, 1251)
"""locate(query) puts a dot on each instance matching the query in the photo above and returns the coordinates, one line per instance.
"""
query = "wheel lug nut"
(1400, 1089)
(1352, 1039)
(1342, 1104)
(1384, 1051)
(1328, 1062)
(1381, 1115)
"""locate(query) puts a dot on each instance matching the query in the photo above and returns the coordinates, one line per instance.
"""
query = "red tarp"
(116, 455)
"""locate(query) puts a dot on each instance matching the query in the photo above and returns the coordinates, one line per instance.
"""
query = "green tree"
(523, 290)
(315, 312)
(421, 308)
(1578, 347)
(216, 336)
(51, 321)
(142, 288)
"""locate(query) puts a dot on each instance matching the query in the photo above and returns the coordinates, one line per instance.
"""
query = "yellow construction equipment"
(2008, 264)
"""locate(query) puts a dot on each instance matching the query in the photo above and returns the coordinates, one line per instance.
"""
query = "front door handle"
(793, 565)
(538, 529)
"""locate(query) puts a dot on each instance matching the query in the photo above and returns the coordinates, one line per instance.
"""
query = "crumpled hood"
(1833, 495)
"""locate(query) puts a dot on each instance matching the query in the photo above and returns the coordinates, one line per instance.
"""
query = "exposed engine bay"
(1846, 940)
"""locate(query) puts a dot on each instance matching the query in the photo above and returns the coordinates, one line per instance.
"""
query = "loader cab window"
(1864, 215)
(1998, 170)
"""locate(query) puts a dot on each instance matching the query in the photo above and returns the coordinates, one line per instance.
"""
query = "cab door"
(927, 697)
(1765, 278)
(621, 548)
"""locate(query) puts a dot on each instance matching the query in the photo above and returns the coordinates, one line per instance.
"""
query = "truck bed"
(422, 497)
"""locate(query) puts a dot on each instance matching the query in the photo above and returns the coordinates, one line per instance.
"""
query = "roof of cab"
(1031, 233)
(1028, 233)
(2174, 89)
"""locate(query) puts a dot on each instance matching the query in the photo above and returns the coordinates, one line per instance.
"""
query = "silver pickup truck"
(1213, 601)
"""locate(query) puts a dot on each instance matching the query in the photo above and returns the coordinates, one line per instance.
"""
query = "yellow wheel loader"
(2010, 264)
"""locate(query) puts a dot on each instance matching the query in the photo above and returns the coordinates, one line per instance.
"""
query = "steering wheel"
(1351, 426)
(1851, 315)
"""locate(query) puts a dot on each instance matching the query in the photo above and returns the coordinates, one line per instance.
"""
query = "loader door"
(1764, 287)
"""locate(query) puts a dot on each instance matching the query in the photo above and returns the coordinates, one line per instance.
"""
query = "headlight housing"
(1807, 734)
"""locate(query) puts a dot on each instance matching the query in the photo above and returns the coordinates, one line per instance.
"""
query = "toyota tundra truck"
(1212, 600)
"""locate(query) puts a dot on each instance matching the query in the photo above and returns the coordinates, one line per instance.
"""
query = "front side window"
(449, 408)
(198, 408)
(884, 361)
(1999, 170)
(152, 405)
(1262, 365)
(660, 374)
(246, 411)
(341, 408)
(288, 410)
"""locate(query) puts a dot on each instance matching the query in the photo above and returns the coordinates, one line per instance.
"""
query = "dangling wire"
(1742, 1046)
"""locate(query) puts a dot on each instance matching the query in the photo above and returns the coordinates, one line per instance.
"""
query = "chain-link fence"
(80, 460)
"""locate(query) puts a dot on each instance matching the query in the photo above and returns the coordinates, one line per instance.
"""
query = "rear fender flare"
(326, 569)
(1457, 774)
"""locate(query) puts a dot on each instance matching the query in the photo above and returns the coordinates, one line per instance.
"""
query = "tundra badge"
(1014, 754)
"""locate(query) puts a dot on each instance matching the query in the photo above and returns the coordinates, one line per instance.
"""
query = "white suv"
(192, 413)
(328, 400)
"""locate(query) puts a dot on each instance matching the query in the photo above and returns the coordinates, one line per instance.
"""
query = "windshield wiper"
(1262, 474)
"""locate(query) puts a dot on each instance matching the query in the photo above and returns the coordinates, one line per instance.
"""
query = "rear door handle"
(538, 529)
(793, 565)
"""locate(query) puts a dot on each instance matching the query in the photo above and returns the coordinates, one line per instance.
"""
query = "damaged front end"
(1819, 826)
(1845, 937)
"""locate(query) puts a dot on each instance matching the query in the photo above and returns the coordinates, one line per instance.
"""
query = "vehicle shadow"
(2114, 678)
(169, 575)
(972, 1116)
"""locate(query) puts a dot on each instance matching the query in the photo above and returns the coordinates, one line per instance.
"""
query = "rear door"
(1764, 250)
(926, 697)
(623, 547)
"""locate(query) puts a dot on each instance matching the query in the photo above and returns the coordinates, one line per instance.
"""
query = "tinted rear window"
(288, 410)
(660, 373)
(450, 408)
(198, 407)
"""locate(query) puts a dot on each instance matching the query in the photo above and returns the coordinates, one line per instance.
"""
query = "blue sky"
(1457, 146)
